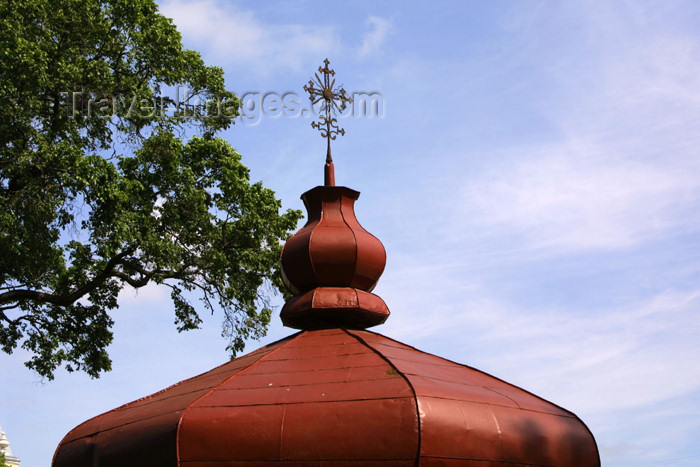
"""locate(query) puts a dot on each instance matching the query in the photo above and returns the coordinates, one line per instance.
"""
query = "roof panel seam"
(365, 380)
(493, 404)
(189, 406)
(307, 402)
(478, 371)
(310, 370)
(415, 396)
(315, 357)
(316, 459)
(491, 461)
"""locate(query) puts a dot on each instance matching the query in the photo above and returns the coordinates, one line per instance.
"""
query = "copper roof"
(334, 397)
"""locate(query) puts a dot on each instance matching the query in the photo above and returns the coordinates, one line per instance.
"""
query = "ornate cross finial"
(334, 100)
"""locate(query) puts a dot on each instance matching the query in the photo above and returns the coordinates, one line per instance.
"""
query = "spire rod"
(335, 100)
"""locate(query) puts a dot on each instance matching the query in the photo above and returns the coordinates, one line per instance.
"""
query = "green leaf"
(98, 191)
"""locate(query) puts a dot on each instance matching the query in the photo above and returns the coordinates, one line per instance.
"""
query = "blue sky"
(535, 179)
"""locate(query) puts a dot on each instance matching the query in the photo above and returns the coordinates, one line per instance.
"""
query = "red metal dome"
(334, 397)
(334, 394)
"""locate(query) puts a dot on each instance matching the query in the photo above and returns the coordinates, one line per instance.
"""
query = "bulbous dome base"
(328, 307)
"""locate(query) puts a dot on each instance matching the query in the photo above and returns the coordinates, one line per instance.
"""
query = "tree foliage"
(99, 188)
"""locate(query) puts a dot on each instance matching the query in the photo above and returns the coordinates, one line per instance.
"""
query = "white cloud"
(621, 166)
(151, 294)
(575, 197)
(633, 357)
(597, 362)
(377, 31)
(236, 35)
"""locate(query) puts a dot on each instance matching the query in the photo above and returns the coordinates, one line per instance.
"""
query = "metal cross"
(334, 100)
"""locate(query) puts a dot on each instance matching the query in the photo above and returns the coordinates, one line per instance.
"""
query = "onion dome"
(332, 264)
(334, 394)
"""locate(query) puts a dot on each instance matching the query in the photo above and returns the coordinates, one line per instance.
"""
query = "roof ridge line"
(570, 412)
(405, 378)
(464, 365)
(213, 388)
(179, 383)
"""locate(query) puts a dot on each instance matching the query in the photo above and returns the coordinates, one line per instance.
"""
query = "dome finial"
(334, 100)
(332, 264)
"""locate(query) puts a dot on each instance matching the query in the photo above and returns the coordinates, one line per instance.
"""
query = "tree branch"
(19, 295)
(135, 283)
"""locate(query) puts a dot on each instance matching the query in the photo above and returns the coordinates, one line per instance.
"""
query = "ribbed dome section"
(331, 265)
(332, 249)
(334, 397)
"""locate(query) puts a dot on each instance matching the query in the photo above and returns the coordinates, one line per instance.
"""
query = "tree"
(99, 188)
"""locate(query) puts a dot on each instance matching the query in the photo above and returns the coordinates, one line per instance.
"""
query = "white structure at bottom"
(10, 460)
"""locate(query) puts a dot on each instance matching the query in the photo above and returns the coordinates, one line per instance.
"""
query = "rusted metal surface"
(332, 249)
(332, 252)
(328, 307)
(312, 398)
(468, 416)
(334, 100)
(334, 397)
(145, 429)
